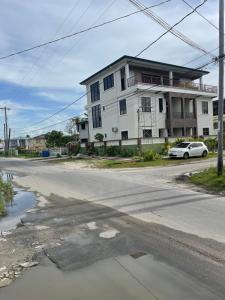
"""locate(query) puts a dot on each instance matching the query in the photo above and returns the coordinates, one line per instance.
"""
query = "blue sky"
(36, 84)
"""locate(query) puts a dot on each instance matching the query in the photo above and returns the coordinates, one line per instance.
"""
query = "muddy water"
(115, 278)
(22, 201)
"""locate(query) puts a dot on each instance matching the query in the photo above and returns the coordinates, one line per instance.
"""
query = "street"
(131, 234)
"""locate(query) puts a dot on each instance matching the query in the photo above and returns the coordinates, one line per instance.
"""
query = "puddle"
(114, 278)
(16, 209)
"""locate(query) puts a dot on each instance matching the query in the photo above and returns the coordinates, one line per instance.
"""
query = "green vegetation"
(57, 139)
(140, 163)
(209, 180)
(6, 195)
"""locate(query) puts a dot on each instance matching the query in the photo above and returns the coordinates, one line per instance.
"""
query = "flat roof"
(149, 63)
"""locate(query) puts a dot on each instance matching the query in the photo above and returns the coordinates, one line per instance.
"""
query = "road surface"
(128, 232)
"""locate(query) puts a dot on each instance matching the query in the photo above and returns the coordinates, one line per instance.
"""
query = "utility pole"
(221, 88)
(6, 133)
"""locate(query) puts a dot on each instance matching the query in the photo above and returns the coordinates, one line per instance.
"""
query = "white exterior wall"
(204, 120)
(83, 133)
(149, 120)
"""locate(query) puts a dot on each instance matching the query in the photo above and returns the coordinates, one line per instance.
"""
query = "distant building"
(37, 143)
(83, 129)
(135, 99)
(19, 142)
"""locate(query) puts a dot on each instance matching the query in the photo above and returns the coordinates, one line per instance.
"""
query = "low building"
(83, 130)
(138, 101)
(37, 143)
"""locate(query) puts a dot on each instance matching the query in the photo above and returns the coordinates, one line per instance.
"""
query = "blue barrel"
(45, 153)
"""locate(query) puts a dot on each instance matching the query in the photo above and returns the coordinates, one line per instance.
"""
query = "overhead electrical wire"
(170, 28)
(212, 61)
(201, 15)
(78, 32)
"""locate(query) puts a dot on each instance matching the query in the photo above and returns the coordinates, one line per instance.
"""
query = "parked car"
(189, 149)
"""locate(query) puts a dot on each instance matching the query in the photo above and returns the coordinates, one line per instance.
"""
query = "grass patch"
(209, 180)
(6, 196)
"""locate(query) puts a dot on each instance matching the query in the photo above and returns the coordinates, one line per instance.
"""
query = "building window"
(205, 109)
(123, 78)
(123, 107)
(147, 133)
(83, 126)
(206, 131)
(108, 82)
(95, 92)
(146, 104)
(124, 135)
(96, 116)
(160, 105)
(215, 125)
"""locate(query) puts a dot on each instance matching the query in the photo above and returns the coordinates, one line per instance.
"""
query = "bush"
(166, 148)
(113, 150)
(178, 141)
(126, 152)
(151, 155)
(212, 144)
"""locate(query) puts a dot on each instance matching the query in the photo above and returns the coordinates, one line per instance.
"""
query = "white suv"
(189, 149)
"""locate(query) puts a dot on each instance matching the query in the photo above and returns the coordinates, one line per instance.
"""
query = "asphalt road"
(135, 230)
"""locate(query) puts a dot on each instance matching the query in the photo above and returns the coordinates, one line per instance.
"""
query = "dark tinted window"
(123, 107)
(205, 109)
(96, 116)
(83, 126)
(160, 105)
(108, 82)
(124, 135)
(182, 145)
(206, 131)
(95, 92)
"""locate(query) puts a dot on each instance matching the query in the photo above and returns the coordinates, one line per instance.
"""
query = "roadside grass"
(6, 195)
(209, 180)
(113, 164)
(105, 163)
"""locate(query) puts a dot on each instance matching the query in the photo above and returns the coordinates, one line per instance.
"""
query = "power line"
(152, 43)
(201, 15)
(172, 27)
(79, 32)
(82, 36)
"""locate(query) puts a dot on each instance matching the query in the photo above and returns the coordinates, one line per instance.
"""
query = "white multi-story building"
(144, 100)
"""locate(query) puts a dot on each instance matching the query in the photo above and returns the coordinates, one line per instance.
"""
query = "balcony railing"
(181, 115)
(164, 81)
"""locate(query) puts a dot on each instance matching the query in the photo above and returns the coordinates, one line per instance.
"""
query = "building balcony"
(164, 81)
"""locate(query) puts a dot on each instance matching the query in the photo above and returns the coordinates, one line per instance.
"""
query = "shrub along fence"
(131, 147)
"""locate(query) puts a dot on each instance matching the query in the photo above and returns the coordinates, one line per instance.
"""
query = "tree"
(54, 139)
(99, 137)
(72, 125)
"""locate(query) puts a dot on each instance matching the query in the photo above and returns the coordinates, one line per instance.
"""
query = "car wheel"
(204, 154)
(186, 155)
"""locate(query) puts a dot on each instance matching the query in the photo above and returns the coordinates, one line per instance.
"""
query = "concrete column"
(171, 78)
(200, 83)
(183, 108)
(127, 73)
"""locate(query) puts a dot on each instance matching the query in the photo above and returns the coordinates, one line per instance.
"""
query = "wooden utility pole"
(221, 88)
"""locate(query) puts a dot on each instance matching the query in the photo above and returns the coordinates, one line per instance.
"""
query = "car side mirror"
(189, 147)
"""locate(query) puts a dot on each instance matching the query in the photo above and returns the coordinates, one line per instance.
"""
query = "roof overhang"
(145, 63)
